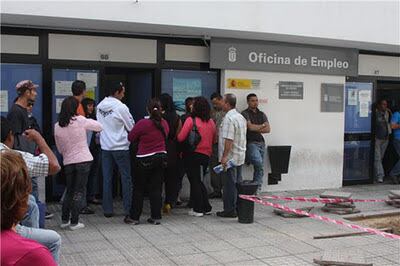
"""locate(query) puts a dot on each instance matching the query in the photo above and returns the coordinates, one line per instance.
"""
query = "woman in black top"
(171, 172)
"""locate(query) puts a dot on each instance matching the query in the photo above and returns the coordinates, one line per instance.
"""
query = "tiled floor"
(209, 240)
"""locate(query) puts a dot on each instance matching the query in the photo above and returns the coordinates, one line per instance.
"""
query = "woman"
(150, 134)
(171, 172)
(198, 160)
(15, 189)
(70, 133)
(88, 105)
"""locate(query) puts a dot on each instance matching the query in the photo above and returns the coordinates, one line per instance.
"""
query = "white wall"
(336, 22)
(316, 138)
(375, 65)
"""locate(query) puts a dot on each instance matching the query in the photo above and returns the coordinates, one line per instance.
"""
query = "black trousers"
(198, 192)
(76, 176)
(171, 183)
(153, 177)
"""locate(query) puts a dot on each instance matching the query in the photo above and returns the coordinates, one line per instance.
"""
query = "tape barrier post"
(318, 217)
(321, 200)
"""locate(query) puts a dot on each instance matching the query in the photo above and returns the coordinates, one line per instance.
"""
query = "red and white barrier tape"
(318, 217)
(322, 200)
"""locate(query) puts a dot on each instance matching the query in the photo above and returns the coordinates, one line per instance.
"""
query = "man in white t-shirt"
(117, 121)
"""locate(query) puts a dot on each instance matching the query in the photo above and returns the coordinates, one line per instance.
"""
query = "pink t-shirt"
(19, 251)
(150, 138)
(207, 132)
(71, 141)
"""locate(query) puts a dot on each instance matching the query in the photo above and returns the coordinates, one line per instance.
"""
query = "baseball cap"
(26, 84)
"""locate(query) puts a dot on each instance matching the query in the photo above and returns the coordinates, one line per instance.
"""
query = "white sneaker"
(64, 225)
(77, 226)
(196, 214)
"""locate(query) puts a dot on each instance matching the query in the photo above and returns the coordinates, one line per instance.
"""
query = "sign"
(291, 90)
(352, 97)
(3, 101)
(90, 80)
(243, 84)
(282, 57)
(332, 97)
(183, 88)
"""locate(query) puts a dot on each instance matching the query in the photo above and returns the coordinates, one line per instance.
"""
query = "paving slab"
(336, 194)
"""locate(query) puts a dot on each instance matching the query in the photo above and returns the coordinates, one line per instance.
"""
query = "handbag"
(193, 138)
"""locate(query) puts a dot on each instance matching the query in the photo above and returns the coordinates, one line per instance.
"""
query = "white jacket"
(117, 122)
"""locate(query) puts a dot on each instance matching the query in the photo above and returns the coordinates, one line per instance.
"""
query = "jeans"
(380, 149)
(108, 160)
(35, 188)
(255, 155)
(396, 169)
(232, 176)
(48, 238)
(143, 176)
(31, 218)
(198, 191)
(93, 180)
(76, 177)
(216, 179)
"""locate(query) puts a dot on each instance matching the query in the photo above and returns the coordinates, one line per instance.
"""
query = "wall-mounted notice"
(352, 97)
(364, 109)
(332, 97)
(291, 90)
(183, 88)
(3, 101)
(90, 80)
(364, 97)
(58, 104)
(63, 88)
(243, 84)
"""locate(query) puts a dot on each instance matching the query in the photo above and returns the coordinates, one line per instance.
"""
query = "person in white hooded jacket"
(117, 121)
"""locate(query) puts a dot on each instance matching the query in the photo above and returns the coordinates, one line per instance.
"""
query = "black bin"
(245, 208)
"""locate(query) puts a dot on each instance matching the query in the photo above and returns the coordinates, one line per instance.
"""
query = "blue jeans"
(122, 160)
(232, 176)
(48, 238)
(255, 155)
(35, 188)
(31, 218)
(396, 169)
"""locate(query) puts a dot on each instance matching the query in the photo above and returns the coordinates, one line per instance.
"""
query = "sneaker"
(195, 214)
(86, 210)
(76, 226)
(48, 215)
(208, 213)
(167, 208)
(380, 180)
(224, 214)
(153, 221)
(129, 220)
(65, 224)
(108, 215)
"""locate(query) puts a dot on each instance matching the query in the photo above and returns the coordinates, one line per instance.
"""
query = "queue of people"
(98, 140)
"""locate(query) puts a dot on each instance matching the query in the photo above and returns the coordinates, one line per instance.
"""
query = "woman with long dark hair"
(89, 106)
(70, 133)
(198, 160)
(151, 158)
(171, 172)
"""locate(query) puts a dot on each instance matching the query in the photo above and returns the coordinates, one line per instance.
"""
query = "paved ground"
(184, 240)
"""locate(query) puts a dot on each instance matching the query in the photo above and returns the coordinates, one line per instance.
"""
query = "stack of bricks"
(340, 208)
(394, 198)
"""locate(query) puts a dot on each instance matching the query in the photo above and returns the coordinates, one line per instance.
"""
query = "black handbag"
(194, 138)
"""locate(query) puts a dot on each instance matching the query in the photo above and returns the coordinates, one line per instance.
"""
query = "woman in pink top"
(71, 141)
(198, 160)
(150, 135)
(15, 189)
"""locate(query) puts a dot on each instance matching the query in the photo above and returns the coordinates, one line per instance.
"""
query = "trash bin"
(245, 208)
(279, 157)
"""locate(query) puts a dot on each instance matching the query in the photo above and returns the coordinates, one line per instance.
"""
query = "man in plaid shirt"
(231, 147)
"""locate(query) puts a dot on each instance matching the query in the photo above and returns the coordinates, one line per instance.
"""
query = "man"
(395, 125)
(257, 124)
(41, 166)
(117, 121)
(382, 133)
(78, 89)
(20, 122)
(231, 146)
(217, 114)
